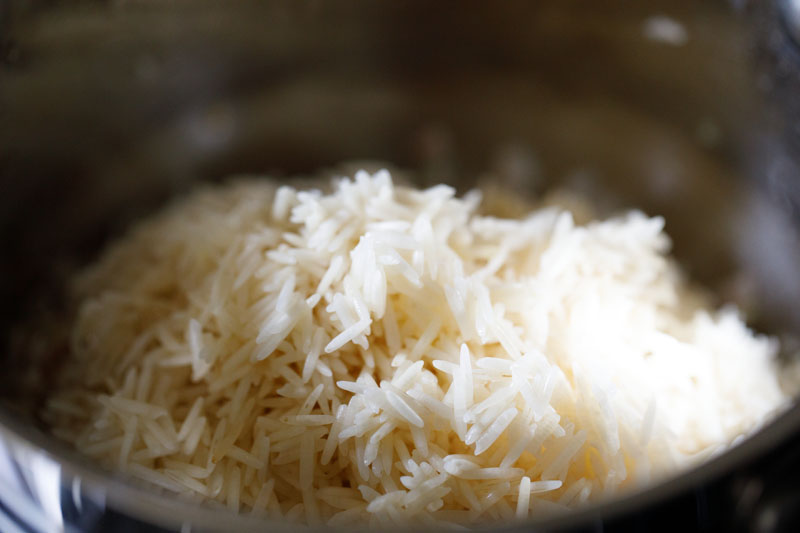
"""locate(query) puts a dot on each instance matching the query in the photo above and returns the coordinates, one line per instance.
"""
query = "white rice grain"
(385, 356)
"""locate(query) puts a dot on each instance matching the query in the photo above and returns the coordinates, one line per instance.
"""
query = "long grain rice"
(382, 355)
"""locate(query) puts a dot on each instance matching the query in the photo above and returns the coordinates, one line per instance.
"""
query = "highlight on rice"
(382, 355)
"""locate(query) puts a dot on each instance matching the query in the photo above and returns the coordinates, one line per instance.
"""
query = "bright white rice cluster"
(383, 355)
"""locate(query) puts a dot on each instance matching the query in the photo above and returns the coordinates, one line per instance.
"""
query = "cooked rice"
(381, 354)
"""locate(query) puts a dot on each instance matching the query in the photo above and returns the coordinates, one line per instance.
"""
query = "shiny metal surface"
(109, 109)
(790, 10)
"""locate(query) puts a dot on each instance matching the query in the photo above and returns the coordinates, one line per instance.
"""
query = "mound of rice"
(381, 355)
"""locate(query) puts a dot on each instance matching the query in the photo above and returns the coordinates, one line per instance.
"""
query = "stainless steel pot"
(685, 109)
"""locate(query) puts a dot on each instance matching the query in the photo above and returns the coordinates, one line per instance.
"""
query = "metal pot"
(684, 109)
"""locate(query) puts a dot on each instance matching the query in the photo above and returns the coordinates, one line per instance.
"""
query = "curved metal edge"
(167, 510)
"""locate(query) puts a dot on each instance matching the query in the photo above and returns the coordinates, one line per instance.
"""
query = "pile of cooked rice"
(382, 355)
